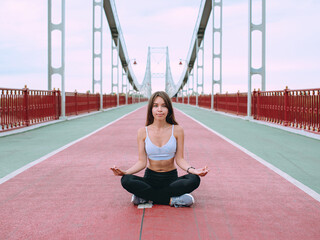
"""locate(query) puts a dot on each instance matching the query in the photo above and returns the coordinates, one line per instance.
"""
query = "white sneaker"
(185, 200)
(136, 200)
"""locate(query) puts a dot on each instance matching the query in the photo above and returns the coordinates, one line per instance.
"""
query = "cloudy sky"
(292, 58)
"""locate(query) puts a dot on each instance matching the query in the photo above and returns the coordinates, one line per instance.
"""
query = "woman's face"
(159, 109)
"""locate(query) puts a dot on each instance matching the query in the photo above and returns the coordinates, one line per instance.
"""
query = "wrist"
(188, 169)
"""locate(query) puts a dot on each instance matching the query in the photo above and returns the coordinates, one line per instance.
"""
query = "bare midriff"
(162, 165)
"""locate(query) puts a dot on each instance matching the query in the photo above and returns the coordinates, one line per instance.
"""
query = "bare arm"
(142, 161)
(181, 162)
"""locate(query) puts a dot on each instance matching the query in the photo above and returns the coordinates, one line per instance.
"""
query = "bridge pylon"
(115, 67)
(261, 70)
(146, 87)
(97, 48)
(170, 86)
(52, 68)
(216, 45)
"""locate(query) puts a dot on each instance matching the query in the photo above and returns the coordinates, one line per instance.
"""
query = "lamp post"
(187, 83)
(127, 80)
(134, 61)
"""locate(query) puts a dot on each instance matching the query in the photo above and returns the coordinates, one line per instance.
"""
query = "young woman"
(161, 143)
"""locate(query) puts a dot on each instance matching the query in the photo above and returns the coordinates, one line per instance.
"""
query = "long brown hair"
(170, 117)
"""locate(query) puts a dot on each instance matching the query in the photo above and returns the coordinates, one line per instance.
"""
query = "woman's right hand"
(117, 171)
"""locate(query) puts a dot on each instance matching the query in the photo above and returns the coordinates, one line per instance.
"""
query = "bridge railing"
(293, 108)
(79, 103)
(235, 103)
(24, 107)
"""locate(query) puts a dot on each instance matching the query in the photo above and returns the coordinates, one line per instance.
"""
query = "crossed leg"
(140, 187)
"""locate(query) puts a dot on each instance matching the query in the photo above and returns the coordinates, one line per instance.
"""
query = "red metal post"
(253, 107)
(76, 102)
(98, 101)
(216, 101)
(238, 93)
(304, 109)
(258, 105)
(59, 103)
(226, 101)
(313, 110)
(55, 103)
(10, 109)
(88, 107)
(26, 106)
(2, 109)
(318, 111)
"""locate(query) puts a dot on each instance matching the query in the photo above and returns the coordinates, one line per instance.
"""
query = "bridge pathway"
(73, 195)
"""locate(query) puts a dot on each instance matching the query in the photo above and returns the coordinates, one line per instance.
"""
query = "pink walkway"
(73, 195)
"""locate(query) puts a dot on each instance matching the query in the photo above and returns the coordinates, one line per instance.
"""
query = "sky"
(292, 43)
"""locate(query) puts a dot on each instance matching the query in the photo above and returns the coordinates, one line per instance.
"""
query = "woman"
(161, 142)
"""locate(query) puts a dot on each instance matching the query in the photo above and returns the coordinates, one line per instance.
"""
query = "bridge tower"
(170, 86)
(146, 87)
(146, 83)
(56, 63)
(200, 63)
(255, 29)
(216, 47)
(115, 65)
(97, 48)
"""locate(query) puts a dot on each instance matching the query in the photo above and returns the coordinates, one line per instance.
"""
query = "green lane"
(297, 155)
(22, 148)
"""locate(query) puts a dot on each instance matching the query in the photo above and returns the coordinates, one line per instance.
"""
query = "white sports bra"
(165, 152)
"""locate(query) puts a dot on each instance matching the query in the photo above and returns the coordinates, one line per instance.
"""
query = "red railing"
(295, 108)
(204, 101)
(79, 103)
(193, 100)
(25, 107)
(234, 103)
(109, 101)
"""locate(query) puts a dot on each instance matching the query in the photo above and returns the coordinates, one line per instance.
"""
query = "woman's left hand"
(117, 171)
(200, 171)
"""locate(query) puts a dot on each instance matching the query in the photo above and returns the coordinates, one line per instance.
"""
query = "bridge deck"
(73, 195)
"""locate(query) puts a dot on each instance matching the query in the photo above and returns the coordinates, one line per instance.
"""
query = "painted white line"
(31, 164)
(292, 180)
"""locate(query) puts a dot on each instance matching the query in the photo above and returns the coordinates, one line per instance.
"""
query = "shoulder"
(142, 133)
(178, 130)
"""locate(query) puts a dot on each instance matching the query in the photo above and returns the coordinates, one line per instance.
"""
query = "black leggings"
(159, 187)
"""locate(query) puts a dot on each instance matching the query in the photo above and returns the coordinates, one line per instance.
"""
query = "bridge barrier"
(235, 103)
(24, 107)
(293, 108)
(79, 103)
